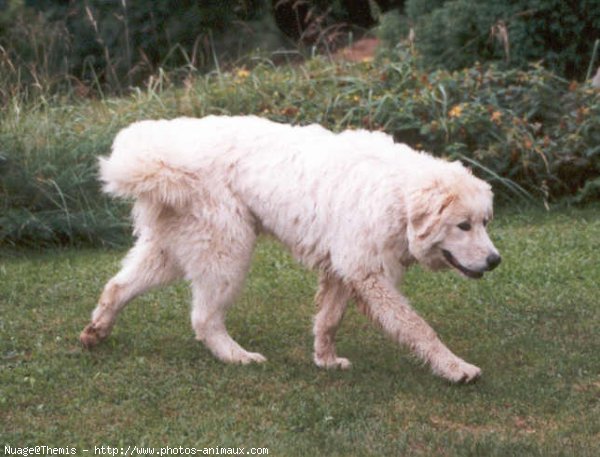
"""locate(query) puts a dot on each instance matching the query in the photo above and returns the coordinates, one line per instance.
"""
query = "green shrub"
(455, 34)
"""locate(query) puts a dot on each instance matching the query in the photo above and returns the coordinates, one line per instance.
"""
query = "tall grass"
(529, 133)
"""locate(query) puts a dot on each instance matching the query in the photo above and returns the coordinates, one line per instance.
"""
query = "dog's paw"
(91, 336)
(334, 363)
(460, 371)
(246, 358)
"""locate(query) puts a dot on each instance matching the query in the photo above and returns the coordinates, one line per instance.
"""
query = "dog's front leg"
(331, 301)
(381, 301)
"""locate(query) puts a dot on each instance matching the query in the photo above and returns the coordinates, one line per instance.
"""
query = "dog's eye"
(466, 226)
(485, 222)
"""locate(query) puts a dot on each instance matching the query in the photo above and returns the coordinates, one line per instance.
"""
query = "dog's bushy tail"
(138, 169)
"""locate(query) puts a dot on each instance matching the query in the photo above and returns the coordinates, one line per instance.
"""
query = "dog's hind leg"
(217, 276)
(147, 265)
(331, 300)
(211, 299)
(380, 300)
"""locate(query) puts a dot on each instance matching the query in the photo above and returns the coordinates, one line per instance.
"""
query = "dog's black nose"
(493, 260)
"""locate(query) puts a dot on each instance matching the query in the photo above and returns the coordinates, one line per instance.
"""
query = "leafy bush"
(457, 33)
(529, 133)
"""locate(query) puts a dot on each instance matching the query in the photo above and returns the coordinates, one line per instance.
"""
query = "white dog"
(356, 206)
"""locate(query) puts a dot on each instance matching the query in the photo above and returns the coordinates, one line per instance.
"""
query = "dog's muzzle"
(492, 261)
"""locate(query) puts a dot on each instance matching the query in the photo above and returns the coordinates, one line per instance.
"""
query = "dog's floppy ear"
(426, 206)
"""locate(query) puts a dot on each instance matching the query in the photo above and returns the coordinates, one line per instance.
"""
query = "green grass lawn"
(533, 326)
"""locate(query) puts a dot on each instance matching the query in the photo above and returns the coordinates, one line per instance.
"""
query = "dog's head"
(448, 214)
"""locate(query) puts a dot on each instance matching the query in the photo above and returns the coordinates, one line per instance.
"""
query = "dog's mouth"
(473, 274)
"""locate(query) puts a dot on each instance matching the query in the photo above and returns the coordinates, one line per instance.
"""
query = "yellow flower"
(456, 111)
(496, 117)
(242, 73)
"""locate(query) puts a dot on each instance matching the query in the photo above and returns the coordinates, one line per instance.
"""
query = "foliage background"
(121, 42)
